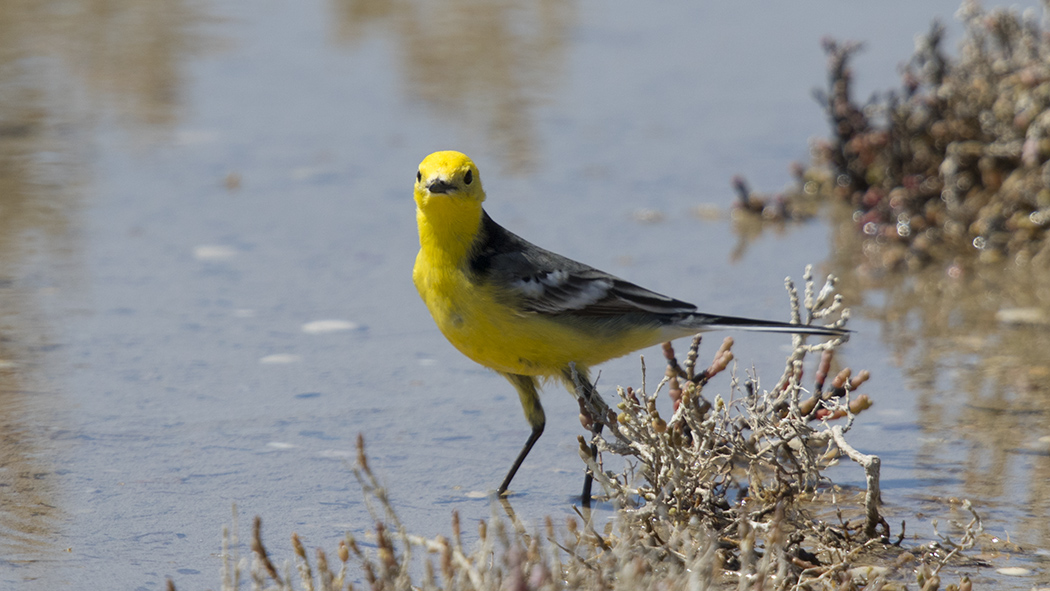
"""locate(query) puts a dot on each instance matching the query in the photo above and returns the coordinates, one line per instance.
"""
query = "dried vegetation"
(729, 491)
(952, 166)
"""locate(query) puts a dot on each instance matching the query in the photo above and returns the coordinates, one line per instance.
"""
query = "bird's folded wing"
(590, 292)
(540, 281)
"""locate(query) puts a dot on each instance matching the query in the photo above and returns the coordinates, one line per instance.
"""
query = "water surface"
(187, 188)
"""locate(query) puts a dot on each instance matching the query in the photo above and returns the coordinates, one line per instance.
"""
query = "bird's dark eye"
(419, 176)
(469, 177)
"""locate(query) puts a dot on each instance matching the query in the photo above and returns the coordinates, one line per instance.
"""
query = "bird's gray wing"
(540, 281)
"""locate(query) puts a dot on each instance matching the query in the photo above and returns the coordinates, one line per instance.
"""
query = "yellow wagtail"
(529, 313)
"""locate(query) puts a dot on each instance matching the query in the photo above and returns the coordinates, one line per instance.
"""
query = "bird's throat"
(447, 229)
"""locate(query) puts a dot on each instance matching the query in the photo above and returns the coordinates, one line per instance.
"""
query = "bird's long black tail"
(705, 322)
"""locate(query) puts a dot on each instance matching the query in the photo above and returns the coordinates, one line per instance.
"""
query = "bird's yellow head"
(448, 177)
(448, 202)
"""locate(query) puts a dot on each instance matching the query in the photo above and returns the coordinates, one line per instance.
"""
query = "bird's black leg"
(579, 382)
(530, 403)
(536, 432)
(588, 478)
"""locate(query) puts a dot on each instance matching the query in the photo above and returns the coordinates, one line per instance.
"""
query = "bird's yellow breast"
(477, 320)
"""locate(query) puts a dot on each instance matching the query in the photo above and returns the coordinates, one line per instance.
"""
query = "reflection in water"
(125, 56)
(974, 342)
(32, 211)
(484, 65)
(973, 339)
(28, 514)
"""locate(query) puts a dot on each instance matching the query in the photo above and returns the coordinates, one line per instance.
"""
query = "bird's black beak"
(439, 186)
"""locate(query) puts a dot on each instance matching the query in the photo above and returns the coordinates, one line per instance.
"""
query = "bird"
(528, 313)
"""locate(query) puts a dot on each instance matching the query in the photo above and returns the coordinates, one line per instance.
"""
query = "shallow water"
(186, 189)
